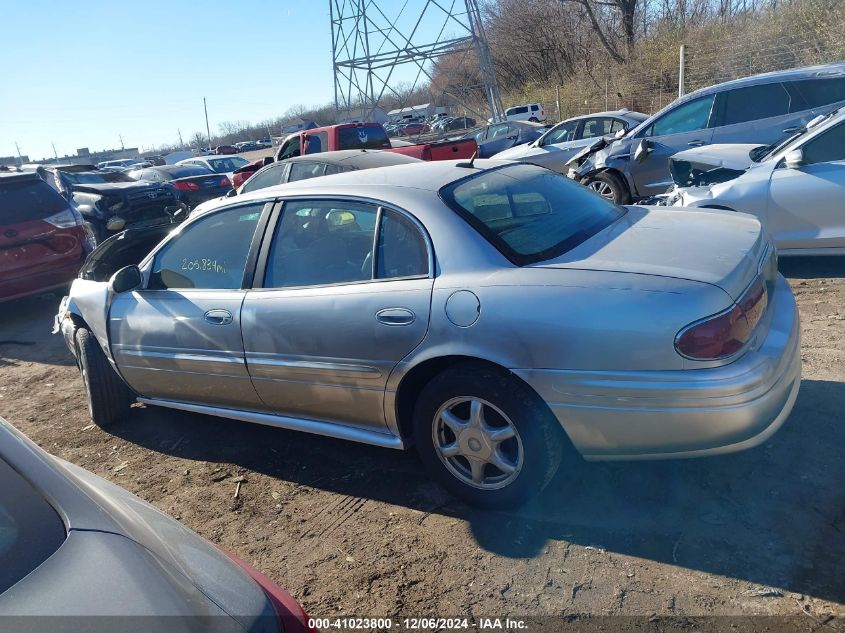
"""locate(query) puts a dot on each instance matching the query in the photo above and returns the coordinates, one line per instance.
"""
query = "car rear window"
(528, 213)
(25, 200)
(95, 177)
(30, 530)
(362, 137)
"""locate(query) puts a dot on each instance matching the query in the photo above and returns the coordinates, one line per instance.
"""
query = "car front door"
(342, 294)
(179, 338)
(678, 129)
(805, 203)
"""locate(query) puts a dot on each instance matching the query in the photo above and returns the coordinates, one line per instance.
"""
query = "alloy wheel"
(601, 188)
(477, 443)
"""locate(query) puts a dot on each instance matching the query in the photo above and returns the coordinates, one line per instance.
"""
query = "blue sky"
(80, 74)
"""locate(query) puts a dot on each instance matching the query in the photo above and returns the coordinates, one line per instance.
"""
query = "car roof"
(19, 175)
(358, 158)
(427, 176)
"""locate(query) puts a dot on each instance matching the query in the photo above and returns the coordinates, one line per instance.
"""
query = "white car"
(533, 112)
(218, 164)
(796, 187)
(554, 149)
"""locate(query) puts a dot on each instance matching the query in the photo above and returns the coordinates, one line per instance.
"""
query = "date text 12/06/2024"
(414, 624)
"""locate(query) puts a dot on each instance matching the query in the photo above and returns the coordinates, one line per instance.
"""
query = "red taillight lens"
(186, 186)
(725, 334)
(225, 182)
(292, 616)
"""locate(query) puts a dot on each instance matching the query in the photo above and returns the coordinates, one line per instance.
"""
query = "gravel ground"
(356, 530)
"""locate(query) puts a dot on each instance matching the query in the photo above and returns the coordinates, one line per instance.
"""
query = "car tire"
(108, 397)
(534, 452)
(610, 186)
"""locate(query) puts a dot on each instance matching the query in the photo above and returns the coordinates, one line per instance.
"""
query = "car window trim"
(146, 264)
(278, 210)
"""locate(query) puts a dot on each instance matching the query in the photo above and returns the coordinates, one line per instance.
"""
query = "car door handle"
(696, 143)
(395, 316)
(218, 317)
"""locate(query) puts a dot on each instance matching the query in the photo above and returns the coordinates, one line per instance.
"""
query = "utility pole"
(681, 69)
(122, 148)
(207, 128)
(181, 142)
(20, 158)
(55, 153)
(557, 101)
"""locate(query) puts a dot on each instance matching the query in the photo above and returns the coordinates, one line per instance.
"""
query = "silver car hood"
(720, 248)
(728, 156)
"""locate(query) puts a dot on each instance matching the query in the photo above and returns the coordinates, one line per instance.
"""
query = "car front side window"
(827, 147)
(210, 253)
(267, 178)
(561, 134)
(688, 117)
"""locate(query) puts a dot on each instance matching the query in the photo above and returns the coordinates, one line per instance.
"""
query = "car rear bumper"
(39, 283)
(686, 413)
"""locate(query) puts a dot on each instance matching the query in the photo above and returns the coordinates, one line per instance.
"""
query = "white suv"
(528, 112)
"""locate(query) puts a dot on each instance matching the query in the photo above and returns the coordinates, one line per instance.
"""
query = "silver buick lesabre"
(499, 316)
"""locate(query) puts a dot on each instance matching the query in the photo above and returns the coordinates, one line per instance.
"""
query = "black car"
(193, 184)
(498, 137)
(112, 201)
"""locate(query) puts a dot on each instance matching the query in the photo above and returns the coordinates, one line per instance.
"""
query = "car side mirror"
(126, 279)
(794, 158)
(231, 193)
(643, 149)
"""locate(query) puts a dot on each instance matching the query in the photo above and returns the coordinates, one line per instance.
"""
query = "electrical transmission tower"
(374, 50)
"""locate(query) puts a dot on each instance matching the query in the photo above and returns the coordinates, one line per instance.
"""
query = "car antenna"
(471, 161)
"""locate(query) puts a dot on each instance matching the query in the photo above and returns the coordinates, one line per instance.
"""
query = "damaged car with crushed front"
(498, 316)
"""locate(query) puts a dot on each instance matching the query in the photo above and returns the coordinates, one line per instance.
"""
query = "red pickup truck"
(357, 136)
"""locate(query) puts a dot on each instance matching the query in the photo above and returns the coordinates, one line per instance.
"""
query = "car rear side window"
(23, 200)
(30, 529)
(754, 103)
(816, 93)
(362, 137)
(209, 253)
(528, 213)
(402, 249)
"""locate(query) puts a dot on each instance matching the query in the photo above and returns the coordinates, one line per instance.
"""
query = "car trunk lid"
(714, 247)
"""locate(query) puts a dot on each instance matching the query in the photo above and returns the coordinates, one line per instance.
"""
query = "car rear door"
(755, 114)
(805, 204)
(179, 338)
(342, 293)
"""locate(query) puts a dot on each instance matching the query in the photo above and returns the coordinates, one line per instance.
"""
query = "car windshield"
(528, 213)
(765, 152)
(224, 165)
(95, 177)
(30, 530)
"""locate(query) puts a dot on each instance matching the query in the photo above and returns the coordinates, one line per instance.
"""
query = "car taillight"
(186, 186)
(225, 182)
(292, 616)
(726, 333)
(65, 219)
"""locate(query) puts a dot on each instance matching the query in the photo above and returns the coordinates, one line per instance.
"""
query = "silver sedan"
(499, 316)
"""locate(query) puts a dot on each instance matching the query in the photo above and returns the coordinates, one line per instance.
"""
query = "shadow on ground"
(812, 267)
(24, 324)
(774, 515)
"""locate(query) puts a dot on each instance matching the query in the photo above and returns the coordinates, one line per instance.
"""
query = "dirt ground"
(356, 530)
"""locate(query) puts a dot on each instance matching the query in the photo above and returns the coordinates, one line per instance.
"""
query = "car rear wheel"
(486, 437)
(609, 186)
(108, 397)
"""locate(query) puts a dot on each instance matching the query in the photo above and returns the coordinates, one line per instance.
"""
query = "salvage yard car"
(42, 237)
(796, 187)
(194, 184)
(499, 316)
(757, 109)
(554, 148)
(78, 552)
